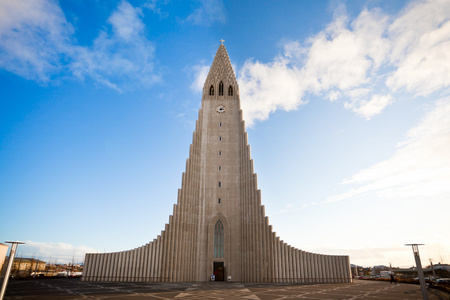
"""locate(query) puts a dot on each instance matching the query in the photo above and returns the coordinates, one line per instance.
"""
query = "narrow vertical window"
(220, 168)
(219, 200)
(220, 138)
(220, 184)
(218, 239)
(221, 88)
(220, 124)
(211, 90)
(230, 91)
(220, 153)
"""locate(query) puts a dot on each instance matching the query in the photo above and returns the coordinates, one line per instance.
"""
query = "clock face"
(220, 109)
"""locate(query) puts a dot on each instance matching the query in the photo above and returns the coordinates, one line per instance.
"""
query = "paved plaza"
(77, 289)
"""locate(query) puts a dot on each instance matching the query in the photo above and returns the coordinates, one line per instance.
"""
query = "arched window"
(221, 88)
(218, 239)
(211, 90)
(230, 91)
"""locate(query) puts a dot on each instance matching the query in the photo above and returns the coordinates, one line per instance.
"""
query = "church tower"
(218, 225)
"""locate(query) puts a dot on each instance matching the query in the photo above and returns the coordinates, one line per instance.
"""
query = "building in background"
(3, 252)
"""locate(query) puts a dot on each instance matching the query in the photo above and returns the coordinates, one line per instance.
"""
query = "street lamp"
(415, 248)
(12, 253)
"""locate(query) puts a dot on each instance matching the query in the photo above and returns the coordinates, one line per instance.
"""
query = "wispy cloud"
(200, 73)
(420, 166)
(57, 252)
(37, 43)
(209, 12)
(122, 54)
(153, 5)
(35, 38)
(362, 62)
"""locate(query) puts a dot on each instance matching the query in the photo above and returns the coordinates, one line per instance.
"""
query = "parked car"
(443, 281)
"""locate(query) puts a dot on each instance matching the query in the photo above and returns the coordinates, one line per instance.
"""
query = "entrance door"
(219, 270)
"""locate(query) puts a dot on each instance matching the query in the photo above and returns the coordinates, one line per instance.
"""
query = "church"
(218, 226)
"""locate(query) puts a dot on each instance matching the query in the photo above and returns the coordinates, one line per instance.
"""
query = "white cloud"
(200, 74)
(210, 11)
(124, 54)
(35, 38)
(419, 167)
(369, 108)
(152, 5)
(420, 40)
(363, 62)
(57, 252)
(36, 43)
(268, 87)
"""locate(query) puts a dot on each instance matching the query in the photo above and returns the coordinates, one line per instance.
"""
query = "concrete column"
(144, 263)
(282, 262)
(152, 260)
(297, 265)
(165, 235)
(138, 265)
(149, 262)
(126, 259)
(310, 265)
(104, 265)
(324, 268)
(340, 269)
(290, 263)
(95, 271)
(275, 257)
(317, 268)
(313, 268)
(332, 268)
(158, 260)
(348, 271)
(131, 265)
(113, 266)
(302, 266)
(121, 266)
(88, 267)
(107, 266)
(176, 244)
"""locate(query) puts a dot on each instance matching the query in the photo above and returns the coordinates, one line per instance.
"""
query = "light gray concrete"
(219, 167)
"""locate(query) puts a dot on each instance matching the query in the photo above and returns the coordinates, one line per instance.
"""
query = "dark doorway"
(219, 271)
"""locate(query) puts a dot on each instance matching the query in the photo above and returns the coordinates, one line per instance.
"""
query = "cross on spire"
(222, 40)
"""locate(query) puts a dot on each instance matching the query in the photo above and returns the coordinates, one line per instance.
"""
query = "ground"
(76, 289)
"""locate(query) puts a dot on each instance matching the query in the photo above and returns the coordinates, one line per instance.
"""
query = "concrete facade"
(218, 224)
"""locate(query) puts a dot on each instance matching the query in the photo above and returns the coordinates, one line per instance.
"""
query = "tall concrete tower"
(218, 225)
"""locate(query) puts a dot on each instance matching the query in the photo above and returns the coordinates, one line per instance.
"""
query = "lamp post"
(423, 287)
(12, 253)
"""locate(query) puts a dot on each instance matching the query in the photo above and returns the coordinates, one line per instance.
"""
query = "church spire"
(220, 71)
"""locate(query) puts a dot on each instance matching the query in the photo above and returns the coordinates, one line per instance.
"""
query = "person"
(393, 279)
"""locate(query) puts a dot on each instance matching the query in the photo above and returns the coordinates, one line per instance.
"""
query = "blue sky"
(346, 103)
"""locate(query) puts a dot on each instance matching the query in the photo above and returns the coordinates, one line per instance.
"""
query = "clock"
(220, 109)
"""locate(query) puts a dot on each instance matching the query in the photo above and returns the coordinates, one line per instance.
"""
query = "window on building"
(230, 91)
(220, 168)
(211, 90)
(218, 239)
(219, 200)
(220, 184)
(220, 124)
(220, 153)
(220, 138)
(221, 88)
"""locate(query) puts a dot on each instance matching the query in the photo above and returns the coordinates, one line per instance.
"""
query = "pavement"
(74, 288)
